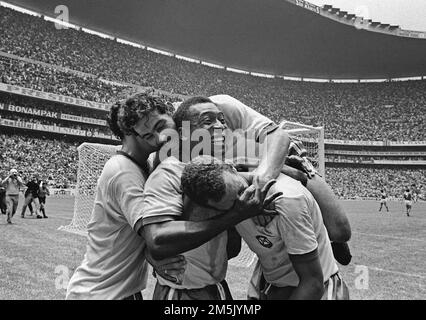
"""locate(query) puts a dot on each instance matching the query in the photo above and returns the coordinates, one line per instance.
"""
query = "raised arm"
(4, 181)
(273, 156)
(333, 214)
(239, 116)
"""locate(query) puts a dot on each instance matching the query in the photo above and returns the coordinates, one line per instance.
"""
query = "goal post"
(92, 158)
(313, 141)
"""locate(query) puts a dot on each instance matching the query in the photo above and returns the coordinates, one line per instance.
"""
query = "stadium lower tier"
(56, 160)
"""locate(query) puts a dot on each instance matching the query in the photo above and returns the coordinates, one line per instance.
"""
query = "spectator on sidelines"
(12, 184)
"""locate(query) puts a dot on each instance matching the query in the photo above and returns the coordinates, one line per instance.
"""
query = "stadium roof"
(280, 37)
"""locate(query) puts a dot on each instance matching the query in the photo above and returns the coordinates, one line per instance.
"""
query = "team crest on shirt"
(264, 241)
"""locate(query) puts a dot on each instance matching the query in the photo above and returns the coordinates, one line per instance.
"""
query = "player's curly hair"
(124, 114)
(204, 181)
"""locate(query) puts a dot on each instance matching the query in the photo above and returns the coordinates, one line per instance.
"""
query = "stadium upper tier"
(366, 111)
(393, 111)
(279, 37)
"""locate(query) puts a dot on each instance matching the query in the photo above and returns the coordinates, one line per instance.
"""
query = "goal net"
(92, 158)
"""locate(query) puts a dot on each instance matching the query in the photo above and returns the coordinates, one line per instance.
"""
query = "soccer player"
(164, 204)
(42, 193)
(383, 200)
(115, 266)
(31, 195)
(294, 250)
(408, 200)
(12, 183)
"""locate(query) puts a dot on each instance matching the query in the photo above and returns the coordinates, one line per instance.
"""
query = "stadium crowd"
(352, 182)
(373, 111)
(50, 79)
(54, 160)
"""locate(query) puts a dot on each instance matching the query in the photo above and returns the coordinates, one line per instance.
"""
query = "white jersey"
(114, 266)
(207, 264)
(297, 229)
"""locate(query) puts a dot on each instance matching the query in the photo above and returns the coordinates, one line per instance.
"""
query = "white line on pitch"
(392, 237)
(398, 272)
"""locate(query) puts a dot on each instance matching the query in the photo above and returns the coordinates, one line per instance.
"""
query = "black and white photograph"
(225, 152)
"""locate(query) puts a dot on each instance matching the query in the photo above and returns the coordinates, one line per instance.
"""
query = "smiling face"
(149, 130)
(235, 186)
(207, 116)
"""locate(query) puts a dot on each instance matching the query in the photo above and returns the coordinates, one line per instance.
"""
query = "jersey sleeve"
(295, 225)
(163, 196)
(127, 188)
(239, 116)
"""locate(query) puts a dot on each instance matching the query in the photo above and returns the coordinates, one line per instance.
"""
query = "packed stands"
(54, 160)
(393, 111)
(353, 182)
(81, 65)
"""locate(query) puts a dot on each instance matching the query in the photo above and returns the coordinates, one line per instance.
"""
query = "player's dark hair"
(182, 112)
(201, 182)
(124, 114)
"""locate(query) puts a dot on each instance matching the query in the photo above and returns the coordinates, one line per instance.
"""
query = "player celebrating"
(294, 250)
(12, 183)
(383, 200)
(207, 264)
(114, 266)
(408, 197)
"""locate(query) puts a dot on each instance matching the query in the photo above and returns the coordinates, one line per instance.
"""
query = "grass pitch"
(389, 254)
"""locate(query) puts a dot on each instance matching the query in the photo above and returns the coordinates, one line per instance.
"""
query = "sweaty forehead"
(202, 108)
(148, 123)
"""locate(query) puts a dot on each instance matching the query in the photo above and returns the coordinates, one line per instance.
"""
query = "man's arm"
(273, 156)
(168, 239)
(333, 214)
(20, 182)
(311, 279)
(239, 116)
(4, 181)
(171, 238)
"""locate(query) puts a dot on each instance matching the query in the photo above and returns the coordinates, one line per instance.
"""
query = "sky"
(409, 14)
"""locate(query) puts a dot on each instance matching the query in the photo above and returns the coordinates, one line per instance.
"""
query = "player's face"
(235, 186)
(150, 130)
(207, 116)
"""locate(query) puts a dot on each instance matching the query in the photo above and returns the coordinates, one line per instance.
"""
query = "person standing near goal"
(12, 183)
